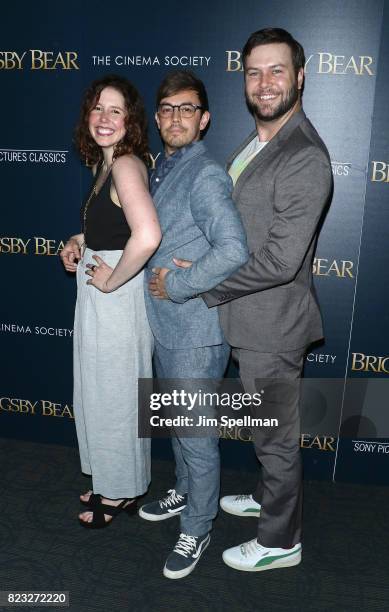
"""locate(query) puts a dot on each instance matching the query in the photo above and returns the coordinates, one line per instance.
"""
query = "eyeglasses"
(186, 110)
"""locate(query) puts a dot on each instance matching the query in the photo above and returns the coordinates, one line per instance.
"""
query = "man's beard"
(175, 140)
(284, 106)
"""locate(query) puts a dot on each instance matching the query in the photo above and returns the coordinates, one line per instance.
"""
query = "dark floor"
(345, 562)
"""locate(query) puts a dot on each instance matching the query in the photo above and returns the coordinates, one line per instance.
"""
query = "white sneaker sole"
(158, 517)
(279, 563)
(230, 510)
(188, 570)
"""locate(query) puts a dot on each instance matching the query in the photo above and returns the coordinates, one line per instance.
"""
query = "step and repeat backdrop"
(48, 56)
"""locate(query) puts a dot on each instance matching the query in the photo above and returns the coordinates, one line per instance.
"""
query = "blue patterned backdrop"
(49, 53)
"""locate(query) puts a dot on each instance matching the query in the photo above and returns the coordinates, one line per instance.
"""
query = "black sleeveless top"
(105, 227)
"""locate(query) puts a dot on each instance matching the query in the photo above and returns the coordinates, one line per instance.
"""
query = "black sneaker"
(164, 508)
(186, 554)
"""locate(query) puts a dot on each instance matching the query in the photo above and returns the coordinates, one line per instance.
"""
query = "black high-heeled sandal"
(93, 500)
(99, 522)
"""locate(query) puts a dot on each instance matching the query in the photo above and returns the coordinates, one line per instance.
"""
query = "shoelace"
(171, 499)
(240, 498)
(251, 548)
(185, 544)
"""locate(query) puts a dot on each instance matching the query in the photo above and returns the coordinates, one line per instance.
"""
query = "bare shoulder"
(130, 166)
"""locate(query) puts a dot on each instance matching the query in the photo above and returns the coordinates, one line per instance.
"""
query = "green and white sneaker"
(252, 557)
(240, 505)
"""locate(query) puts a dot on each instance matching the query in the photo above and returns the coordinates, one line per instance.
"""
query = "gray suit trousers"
(279, 490)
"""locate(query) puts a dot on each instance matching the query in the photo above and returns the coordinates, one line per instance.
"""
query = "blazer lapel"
(272, 146)
(196, 149)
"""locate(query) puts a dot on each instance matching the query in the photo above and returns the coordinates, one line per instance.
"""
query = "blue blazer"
(199, 222)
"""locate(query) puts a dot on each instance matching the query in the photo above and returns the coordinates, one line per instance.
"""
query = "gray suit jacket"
(199, 222)
(269, 304)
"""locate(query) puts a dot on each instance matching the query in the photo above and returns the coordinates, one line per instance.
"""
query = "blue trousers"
(197, 459)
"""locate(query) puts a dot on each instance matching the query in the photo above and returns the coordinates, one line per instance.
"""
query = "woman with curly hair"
(112, 338)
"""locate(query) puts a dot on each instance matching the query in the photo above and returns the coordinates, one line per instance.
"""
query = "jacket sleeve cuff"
(172, 289)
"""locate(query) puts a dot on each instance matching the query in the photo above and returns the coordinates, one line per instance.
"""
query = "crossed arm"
(215, 214)
(301, 194)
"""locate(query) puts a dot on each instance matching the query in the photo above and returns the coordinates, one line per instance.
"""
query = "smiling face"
(177, 132)
(107, 119)
(271, 85)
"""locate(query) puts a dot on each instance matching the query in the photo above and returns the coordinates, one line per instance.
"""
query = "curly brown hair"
(135, 140)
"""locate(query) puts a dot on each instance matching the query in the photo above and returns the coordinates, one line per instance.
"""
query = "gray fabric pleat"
(112, 348)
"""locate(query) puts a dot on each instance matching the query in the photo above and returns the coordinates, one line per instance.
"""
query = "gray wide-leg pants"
(112, 348)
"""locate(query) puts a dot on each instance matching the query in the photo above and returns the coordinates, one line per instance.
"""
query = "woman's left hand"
(99, 273)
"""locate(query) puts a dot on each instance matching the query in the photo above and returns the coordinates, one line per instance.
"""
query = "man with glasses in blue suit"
(199, 222)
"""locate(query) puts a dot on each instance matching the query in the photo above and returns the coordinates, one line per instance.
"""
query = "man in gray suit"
(269, 313)
(199, 222)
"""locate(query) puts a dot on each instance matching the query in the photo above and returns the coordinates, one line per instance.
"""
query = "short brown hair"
(135, 139)
(180, 80)
(268, 36)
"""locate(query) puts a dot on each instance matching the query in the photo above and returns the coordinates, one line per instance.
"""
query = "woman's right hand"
(71, 252)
